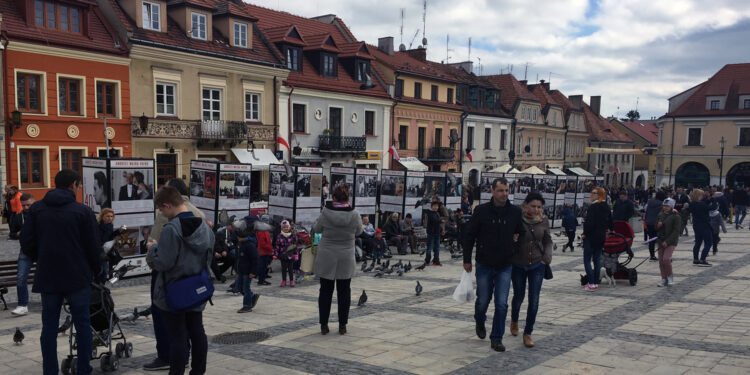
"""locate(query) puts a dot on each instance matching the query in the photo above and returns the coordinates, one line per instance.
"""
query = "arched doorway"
(639, 181)
(739, 174)
(692, 174)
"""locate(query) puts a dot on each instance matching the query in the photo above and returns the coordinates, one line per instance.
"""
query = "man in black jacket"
(62, 236)
(624, 208)
(394, 234)
(494, 228)
(740, 201)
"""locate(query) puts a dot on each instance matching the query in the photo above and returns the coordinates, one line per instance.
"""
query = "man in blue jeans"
(740, 201)
(24, 262)
(62, 236)
(494, 228)
(433, 227)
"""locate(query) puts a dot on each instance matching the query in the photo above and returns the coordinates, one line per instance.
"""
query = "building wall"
(427, 88)
(529, 117)
(430, 118)
(605, 164)
(484, 158)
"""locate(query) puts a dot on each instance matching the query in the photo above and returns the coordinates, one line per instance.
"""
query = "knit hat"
(378, 231)
(285, 223)
(669, 202)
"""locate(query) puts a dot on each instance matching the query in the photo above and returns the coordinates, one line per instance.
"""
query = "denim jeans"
(433, 244)
(79, 309)
(704, 235)
(24, 267)
(263, 262)
(181, 327)
(740, 212)
(243, 283)
(492, 281)
(652, 232)
(589, 253)
(534, 274)
(160, 327)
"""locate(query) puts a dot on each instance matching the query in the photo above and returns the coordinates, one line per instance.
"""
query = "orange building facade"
(61, 85)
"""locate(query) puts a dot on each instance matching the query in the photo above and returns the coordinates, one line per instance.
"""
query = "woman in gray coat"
(339, 225)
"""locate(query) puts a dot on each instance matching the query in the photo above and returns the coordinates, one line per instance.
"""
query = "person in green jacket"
(669, 226)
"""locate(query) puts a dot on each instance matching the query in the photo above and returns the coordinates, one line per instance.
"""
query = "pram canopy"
(620, 239)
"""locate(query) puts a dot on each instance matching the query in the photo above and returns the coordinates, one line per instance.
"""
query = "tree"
(632, 115)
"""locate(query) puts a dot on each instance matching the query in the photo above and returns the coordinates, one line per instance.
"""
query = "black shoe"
(255, 300)
(696, 262)
(268, 276)
(716, 251)
(264, 283)
(497, 345)
(222, 279)
(703, 263)
(324, 329)
(342, 330)
(653, 258)
(481, 331)
(156, 365)
(245, 309)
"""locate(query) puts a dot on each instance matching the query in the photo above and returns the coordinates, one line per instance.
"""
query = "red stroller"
(618, 242)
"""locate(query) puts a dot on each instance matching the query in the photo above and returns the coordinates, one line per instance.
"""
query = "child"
(286, 251)
(570, 223)
(717, 223)
(433, 224)
(247, 264)
(265, 254)
(379, 245)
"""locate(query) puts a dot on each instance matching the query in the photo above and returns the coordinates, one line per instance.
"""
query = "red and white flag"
(617, 170)
(470, 156)
(282, 142)
(394, 152)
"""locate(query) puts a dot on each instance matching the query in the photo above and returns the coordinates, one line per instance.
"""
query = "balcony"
(208, 130)
(439, 154)
(220, 129)
(336, 143)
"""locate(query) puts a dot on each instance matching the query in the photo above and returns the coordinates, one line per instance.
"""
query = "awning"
(502, 169)
(413, 164)
(533, 170)
(260, 158)
(580, 172)
(513, 171)
(556, 172)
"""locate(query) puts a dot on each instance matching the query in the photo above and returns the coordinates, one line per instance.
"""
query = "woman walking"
(529, 264)
(595, 227)
(339, 225)
(669, 226)
(700, 207)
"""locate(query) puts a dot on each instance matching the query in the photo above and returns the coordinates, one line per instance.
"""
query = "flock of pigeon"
(386, 269)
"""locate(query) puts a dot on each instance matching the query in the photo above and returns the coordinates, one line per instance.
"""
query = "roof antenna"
(636, 103)
(424, 24)
(447, 48)
(469, 48)
(401, 46)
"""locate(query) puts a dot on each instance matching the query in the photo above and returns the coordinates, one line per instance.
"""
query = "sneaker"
(20, 311)
(662, 283)
(255, 300)
(703, 263)
(283, 284)
(589, 288)
(437, 264)
(244, 309)
(653, 258)
(291, 283)
(156, 365)
(497, 345)
(696, 262)
(670, 281)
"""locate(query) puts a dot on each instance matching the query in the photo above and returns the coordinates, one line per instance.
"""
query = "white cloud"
(647, 49)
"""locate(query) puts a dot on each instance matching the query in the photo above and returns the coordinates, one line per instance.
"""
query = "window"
(434, 93)
(240, 34)
(69, 91)
(198, 26)
(151, 16)
(470, 138)
(165, 99)
(744, 137)
(523, 113)
(520, 141)
(450, 96)
(746, 104)
(252, 106)
(299, 113)
(503, 138)
(28, 91)
(438, 137)
(539, 146)
(56, 16)
(31, 167)
(528, 146)
(71, 159)
(715, 104)
(211, 104)
(473, 92)
(489, 99)
(487, 138)
(329, 65)
(363, 70)
(105, 99)
(293, 59)
(417, 90)
(694, 136)
(546, 146)
(403, 132)
(534, 114)
(166, 168)
(369, 122)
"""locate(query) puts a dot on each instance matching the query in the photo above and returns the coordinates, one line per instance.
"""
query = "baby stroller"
(618, 242)
(105, 327)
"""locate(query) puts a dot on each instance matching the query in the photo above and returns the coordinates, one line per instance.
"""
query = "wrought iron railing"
(327, 142)
(440, 154)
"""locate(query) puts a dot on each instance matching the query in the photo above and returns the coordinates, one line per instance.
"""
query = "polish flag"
(282, 142)
(393, 152)
(470, 156)
(617, 170)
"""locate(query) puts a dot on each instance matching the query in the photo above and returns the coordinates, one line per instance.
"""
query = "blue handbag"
(189, 292)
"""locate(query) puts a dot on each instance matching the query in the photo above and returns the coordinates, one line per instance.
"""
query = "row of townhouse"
(177, 80)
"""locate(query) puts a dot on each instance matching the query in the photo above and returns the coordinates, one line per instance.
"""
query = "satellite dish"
(424, 41)
(402, 47)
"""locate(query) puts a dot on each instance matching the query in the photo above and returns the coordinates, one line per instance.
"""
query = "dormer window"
(240, 34)
(746, 104)
(151, 16)
(57, 16)
(715, 105)
(328, 65)
(293, 55)
(198, 26)
(363, 70)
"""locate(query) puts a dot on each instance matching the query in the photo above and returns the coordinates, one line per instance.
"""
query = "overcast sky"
(623, 50)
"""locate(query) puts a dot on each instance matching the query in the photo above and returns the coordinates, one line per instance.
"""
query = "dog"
(604, 276)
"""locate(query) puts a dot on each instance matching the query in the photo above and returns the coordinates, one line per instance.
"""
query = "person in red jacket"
(265, 253)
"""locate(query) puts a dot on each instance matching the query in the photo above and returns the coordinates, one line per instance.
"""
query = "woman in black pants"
(339, 225)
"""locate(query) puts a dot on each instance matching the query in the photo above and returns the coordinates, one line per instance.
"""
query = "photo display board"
(96, 192)
(485, 186)
(524, 185)
(203, 186)
(392, 186)
(308, 198)
(513, 186)
(585, 185)
(547, 186)
(366, 190)
(415, 190)
(453, 190)
(571, 187)
(234, 189)
(434, 183)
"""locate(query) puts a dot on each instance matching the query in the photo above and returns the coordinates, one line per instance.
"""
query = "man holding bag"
(494, 228)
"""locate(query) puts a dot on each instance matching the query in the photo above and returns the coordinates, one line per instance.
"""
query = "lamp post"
(722, 142)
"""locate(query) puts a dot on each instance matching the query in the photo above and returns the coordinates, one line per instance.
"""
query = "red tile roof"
(600, 129)
(513, 90)
(647, 130)
(282, 34)
(318, 42)
(541, 92)
(471, 79)
(101, 38)
(730, 81)
(567, 105)
(233, 9)
(403, 63)
(356, 49)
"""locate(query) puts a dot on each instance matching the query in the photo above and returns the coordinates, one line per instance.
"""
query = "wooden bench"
(8, 277)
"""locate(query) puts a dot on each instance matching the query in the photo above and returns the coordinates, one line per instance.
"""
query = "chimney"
(596, 104)
(577, 100)
(524, 82)
(418, 53)
(544, 84)
(467, 66)
(386, 45)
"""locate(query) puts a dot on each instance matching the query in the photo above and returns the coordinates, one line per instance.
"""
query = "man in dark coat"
(129, 191)
(61, 235)
(624, 207)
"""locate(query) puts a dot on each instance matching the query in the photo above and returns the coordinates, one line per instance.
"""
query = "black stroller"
(105, 327)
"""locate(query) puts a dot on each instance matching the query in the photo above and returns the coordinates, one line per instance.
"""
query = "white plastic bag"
(464, 292)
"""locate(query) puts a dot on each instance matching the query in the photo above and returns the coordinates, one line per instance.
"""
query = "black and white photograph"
(132, 185)
(95, 184)
(367, 186)
(280, 187)
(524, 185)
(341, 176)
(366, 190)
(203, 186)
(196, 182)
(242, 179)
(570, 190)
(434, 183)
(309, 187)
(226, 185)
(392, 186)
(414, 186)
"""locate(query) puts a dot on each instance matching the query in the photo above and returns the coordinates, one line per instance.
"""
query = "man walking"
(494, 228)
(624, 208)
(24, 262)
(741, 201)
(62, 236)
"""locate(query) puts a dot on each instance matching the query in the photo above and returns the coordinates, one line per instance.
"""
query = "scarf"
(340, 205)
(285, 234)
(532, 220)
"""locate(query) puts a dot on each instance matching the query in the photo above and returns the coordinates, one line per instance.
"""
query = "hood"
(59, 197)
(196, 233)
(338, 216)
(713, 213)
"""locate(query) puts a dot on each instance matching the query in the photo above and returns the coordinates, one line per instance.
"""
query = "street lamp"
(722, 142)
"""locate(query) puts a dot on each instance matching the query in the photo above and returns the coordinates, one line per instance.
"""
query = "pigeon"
(362, 298)
(18, 337)
(554, 247)
(379, 274)
(364, 266)
(65, 326)
(371, 267)
(145, 312)
(387, 264)
(408, 267)
(388, 271)
(400, 272)
(420, 268)
(418, 288)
